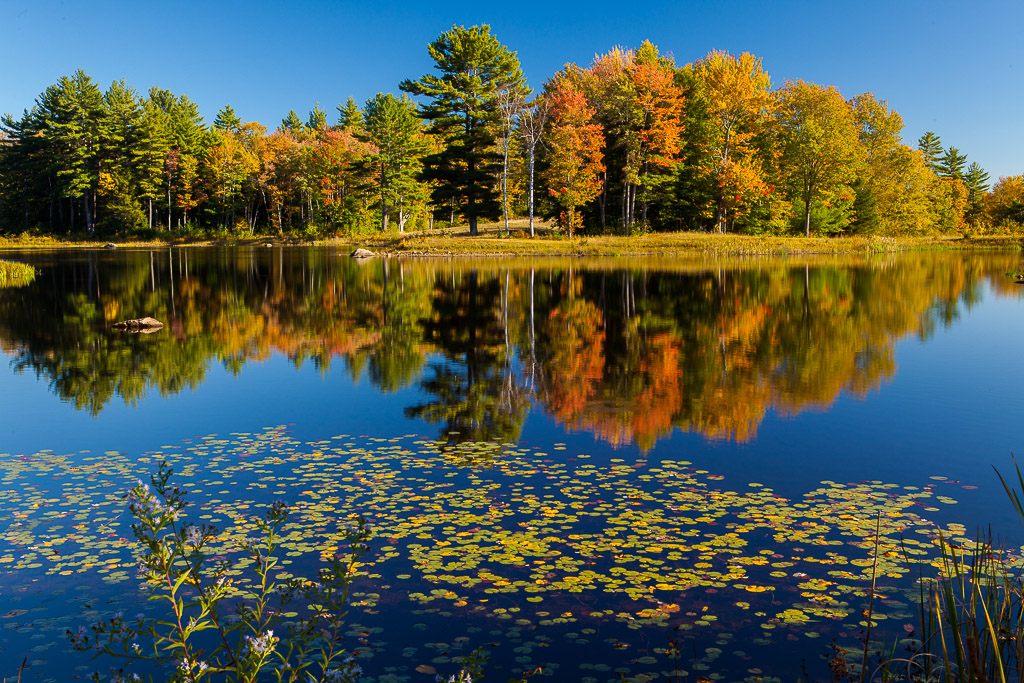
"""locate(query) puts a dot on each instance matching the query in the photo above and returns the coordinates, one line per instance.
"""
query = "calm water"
(582, 465)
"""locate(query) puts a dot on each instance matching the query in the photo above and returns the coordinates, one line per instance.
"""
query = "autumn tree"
(575, 141)
(1005, 203)
(737, 97)
(819, 143)
(473, 68)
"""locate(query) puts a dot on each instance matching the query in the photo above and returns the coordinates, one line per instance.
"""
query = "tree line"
(630, 143)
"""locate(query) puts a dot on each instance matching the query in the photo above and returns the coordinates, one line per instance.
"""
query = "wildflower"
(261, 645)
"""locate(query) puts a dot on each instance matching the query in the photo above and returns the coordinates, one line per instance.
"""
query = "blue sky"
(956, 68)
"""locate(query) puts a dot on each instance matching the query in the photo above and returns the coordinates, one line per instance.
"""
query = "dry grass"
(492, 241)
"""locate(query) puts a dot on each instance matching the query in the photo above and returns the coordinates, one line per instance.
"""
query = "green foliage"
(227, 120)
(199, 638)
(706, 145)
(392, 126)
(952, 163)
(462, 112)
(930, 145)
(864, 219)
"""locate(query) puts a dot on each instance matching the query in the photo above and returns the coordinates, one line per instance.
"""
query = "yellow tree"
(228, 163)
(738, 97)
(575, 142)
(879, 131)
(820, 149)
(1005, 203)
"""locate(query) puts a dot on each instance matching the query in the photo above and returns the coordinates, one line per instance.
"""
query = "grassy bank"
(492, 241)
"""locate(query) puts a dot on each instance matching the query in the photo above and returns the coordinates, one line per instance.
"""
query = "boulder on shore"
(362, 253)
(146, 324)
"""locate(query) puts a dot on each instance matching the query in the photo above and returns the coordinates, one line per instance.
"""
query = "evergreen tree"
(952, 163)
(865, 210)
(150, 154)
(349, 115)
(474, 67)
(73, 111)
(317, 118)
(227, 120)
(976, 180)
(931, 146)
(392, 126)
(292, 123)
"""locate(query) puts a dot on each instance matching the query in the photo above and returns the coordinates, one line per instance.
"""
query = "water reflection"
(625, 349)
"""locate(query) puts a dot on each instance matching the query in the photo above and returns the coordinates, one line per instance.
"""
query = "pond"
(623, 468)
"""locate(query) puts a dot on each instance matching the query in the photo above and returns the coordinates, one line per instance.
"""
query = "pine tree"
(952, 163)
(227, 120)
(349, 116)
(292, 123)
(73, 111)
(474, 67)
(865, 210)
(931, 146)
(394, 129)
(317, 118)
(976, 180)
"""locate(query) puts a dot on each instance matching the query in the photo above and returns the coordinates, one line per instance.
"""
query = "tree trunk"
(88, 212)
(532, 147)
(807, 218)
(472, 225)
(504, 186)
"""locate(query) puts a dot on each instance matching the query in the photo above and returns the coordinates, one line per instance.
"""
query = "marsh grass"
(15, 274)
(970, 616)
(492, 240)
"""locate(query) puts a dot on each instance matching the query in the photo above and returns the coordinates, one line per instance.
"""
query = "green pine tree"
(349, 115)
(227, 120)
(474, 67)
(931, 146)
(952, 163)
(393, 127)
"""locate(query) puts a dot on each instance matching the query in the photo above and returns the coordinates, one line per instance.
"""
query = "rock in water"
(362, 253)
(146, 324)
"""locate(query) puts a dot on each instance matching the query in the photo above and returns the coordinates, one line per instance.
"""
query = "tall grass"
(971, 615)
(15, 274)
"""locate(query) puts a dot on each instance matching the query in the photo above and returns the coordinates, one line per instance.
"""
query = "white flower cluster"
(260, 645)
(188, 665)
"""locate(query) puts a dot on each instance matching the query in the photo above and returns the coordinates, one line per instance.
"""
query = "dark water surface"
(633, 466)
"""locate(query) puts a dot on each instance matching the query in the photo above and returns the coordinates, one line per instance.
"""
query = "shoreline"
(490, 242)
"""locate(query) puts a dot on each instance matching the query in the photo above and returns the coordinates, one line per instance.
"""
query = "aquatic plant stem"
(871, 599)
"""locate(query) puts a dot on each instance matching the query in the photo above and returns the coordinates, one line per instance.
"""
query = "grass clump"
(15, 274)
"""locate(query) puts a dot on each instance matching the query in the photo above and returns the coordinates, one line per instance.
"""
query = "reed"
(970, 615)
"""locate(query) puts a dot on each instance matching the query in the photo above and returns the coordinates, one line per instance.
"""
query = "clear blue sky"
(956, 68)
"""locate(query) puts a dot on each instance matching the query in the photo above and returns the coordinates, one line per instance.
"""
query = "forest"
(628, 144)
